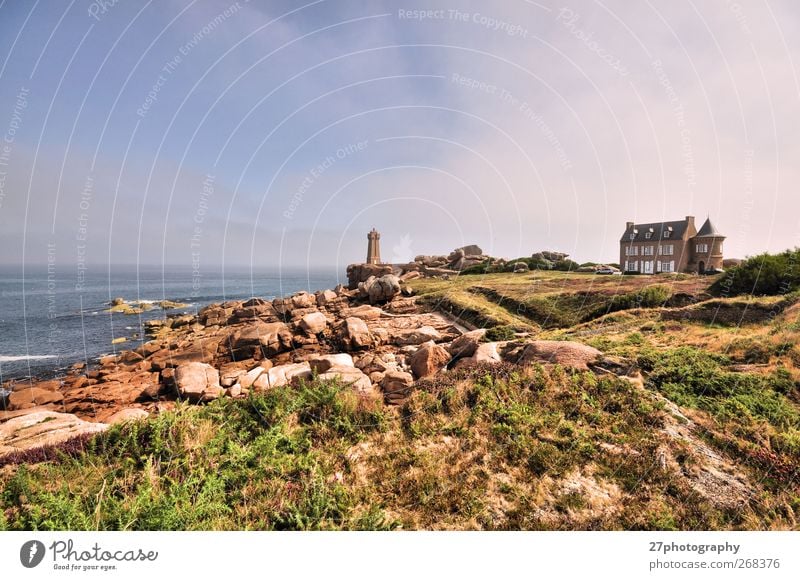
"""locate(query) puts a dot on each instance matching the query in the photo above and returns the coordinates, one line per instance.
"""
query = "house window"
(648, 235)
(635, 250)
(665, 250)
(647, 251)
(648, 266)
(667, 266)
(667, 233)
(702, 248)
(720, 247)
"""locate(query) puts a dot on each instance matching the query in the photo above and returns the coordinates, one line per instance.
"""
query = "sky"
(278, 133)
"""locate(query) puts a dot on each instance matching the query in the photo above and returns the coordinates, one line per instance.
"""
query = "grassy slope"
(502, 450)
(506, 448)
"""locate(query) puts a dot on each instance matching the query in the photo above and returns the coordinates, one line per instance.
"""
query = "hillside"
(689, 419)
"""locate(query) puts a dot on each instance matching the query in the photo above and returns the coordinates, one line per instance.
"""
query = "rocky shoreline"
(374, 338)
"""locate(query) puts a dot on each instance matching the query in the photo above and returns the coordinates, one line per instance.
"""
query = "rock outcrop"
(41, 429)
(355, 334)
(322, 363)
(428, 360)
(487, 352)
(27, 396)
(313, 323)
(372, 341)
(197, 381)
(357, 273)
(397, 386)
(574, 355)
(466, 344)
(383, 289)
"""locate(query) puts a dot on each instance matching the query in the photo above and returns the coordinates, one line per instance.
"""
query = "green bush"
(648, 297)
(499, 333)
(476, 269)
(762, 275)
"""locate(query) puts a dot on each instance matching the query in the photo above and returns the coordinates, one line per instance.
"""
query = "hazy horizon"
(276, 135)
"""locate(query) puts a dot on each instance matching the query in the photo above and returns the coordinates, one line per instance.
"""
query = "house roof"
(678, 228)
(708, 229)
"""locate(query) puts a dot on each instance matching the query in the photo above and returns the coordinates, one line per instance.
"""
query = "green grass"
(264, 463)
(755, 409)
(481, 448)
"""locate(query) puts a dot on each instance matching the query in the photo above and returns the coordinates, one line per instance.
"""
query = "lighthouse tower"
(373, 247)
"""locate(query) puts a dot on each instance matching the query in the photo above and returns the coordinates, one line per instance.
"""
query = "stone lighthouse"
(373, 247)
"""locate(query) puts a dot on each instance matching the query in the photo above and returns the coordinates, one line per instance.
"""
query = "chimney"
(628, 225)
(691, 230)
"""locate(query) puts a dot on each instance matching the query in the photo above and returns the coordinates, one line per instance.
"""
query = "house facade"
(675, 246)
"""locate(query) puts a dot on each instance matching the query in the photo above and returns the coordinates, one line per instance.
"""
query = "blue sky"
(281, 132)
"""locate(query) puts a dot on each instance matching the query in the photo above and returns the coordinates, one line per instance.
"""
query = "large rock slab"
(321, 363)
(355, 334)
(313, 323)
(416, 336)
(487, 352)
(466, 344)
(364, 312)
(428, 360)
(271, 337)
(325, 297)
(303, 300)
(127, 415)
(281, 375)
(383, 289)
(397, 386)
(357, 273)
(574, 355)
(255, 308)
(28, 396)
(350, 376)
(470, 250)
(43, 428)
(197, 382)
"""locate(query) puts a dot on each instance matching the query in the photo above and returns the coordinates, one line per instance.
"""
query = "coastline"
(69, 326)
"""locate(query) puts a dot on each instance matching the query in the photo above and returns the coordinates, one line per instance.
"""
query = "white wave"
(11, 358)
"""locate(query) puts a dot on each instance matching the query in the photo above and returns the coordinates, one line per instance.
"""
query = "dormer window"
(667, 233)
(633, 235)
(648, 235)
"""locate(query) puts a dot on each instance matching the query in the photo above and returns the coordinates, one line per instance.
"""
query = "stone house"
(676, 246)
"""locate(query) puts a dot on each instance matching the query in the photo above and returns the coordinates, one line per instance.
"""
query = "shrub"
(500, 333)
(648, 297)
(762, 275)
(696, 379)
(476, 269)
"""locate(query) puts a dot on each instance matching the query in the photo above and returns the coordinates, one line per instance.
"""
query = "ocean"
(48, 322)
